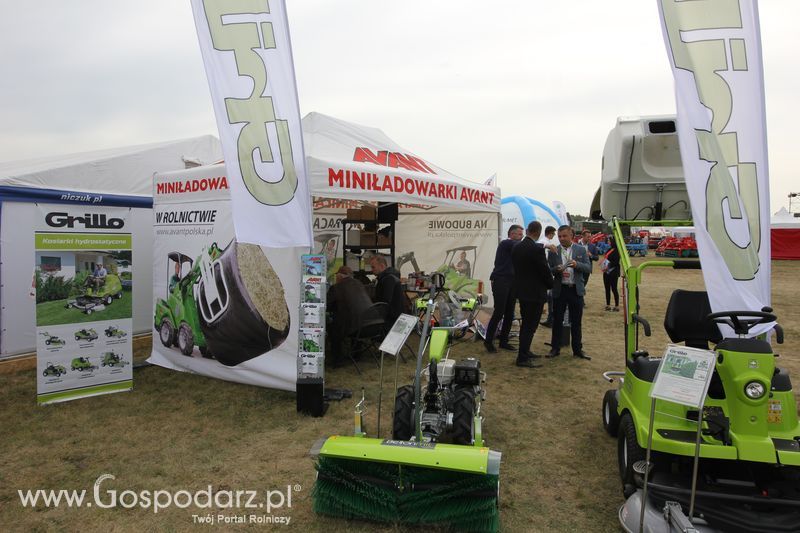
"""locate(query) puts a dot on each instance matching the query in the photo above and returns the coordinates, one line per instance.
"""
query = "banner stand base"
(311, 397)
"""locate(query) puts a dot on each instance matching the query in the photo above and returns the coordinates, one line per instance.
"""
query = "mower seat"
(685, 320)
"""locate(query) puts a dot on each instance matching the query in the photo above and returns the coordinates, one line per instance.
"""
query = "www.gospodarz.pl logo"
(267, 502)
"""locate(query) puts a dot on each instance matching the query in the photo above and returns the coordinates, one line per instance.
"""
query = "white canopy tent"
(114, 177)
(441, 216)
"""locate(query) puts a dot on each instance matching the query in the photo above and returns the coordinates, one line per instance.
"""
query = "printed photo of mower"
(114, 331)
(86, 335)
(52, 340)
(208, 304)
(82, 364)
(97, 294)
(747, 473)
(112, 359)
(53, 370)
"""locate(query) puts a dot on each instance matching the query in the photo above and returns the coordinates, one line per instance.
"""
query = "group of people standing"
(536, 271)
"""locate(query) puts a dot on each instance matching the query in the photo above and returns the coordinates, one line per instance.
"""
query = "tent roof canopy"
(119, 171)
(354, 162)
(784, 219)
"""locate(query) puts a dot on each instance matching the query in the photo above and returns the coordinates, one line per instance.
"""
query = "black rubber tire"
(166, 332)
(185, 339)
(77, 338)
(108, 299)
(610, 414)
(463, 417)
(44, 373)
(628, 453)
(89, 311)
(403, 421)
(239, 333)
(118, 295)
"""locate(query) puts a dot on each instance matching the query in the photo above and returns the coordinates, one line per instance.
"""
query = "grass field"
(180, 431)
(50, 313)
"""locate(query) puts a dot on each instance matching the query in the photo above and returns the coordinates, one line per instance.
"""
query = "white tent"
(442, 217)
(115, 177)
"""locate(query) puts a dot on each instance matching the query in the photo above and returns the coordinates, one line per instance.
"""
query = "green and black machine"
(436, 469)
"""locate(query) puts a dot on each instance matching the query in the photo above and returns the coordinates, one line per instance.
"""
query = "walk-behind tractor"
(82, 364)
(96, 298)
(436, 469)
(52, 340)
(86, 335)
(114, 331)
(53, 370)
(747, 476)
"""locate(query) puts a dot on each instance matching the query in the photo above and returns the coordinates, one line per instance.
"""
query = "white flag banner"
(248, 60)
(714, 47)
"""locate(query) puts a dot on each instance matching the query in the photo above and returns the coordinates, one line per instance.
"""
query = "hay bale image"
(248, 315)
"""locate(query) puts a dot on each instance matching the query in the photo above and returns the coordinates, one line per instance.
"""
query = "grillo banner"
(221, 308)
(84, 301)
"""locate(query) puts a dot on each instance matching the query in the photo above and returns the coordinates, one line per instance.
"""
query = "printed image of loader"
(228, 302)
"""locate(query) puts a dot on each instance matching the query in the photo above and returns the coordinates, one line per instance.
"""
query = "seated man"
(463, 266)
(176, 277)
(387, 288)
(347, 300)
(98, 277)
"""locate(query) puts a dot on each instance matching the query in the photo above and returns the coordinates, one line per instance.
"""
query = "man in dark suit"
(532, 278)
(505, 299)
(569, 264)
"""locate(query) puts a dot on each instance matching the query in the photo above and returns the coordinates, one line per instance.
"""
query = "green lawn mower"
(97, 298)
(747, 477)
(86, 335)
(229, 303)
(53, 370)
(114, 331)
(52, 340)
(82, 364)
(112, 359)
(436, 469)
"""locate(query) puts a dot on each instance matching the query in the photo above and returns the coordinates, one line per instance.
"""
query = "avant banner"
(714, 47)
(220, 306)
(84, 301)
(248, 59)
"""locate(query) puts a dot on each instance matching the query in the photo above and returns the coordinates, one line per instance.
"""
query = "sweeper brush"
(415, 478)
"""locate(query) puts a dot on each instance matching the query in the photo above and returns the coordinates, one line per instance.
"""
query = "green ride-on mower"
(112, 359)
(53, 370)
(114, 331)
(83, 364)
(748, 471)
(86, 335)
(52, 340)
(97, 298)
(436, 469)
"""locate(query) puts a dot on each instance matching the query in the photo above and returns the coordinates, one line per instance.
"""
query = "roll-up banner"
(248, 59)
(83, 285)
(714, 47)
(220, 306)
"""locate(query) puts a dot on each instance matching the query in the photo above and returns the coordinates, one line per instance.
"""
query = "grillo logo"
(93, 221)
(253, 44)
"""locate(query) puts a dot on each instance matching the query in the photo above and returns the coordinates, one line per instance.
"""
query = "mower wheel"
(118, 295)
(109, 299)
(89, 311)
(610, 414)
(166, 332)
(464, 417)
(628, 453)
(185, 339)
(403, 421)
(47, 342)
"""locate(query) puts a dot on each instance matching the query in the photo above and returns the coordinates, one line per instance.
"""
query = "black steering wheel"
(743, 321)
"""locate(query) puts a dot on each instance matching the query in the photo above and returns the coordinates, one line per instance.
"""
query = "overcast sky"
(527, 90)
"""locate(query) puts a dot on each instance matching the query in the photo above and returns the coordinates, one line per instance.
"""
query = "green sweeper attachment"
(413, 477)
